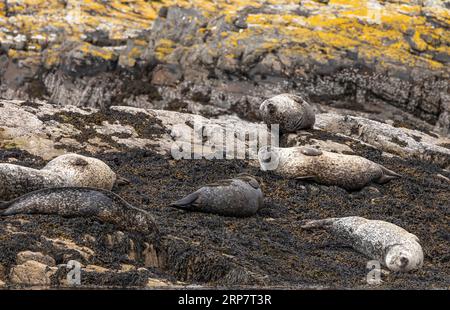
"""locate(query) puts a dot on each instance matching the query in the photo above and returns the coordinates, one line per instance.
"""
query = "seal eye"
(271, 108)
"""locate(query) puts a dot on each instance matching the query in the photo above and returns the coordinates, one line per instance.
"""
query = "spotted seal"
(390, 244)
(238, 197)
(347, 171)
(82, 202)
(291, 112)
(65, 170)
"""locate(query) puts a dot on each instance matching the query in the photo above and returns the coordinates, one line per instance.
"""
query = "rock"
(166, 75)
(2, 273)
(31, 273)
(95, 268)
(155, 283)
(400, 141)
(128, 127)
(86, 60)
(25, 256)
(65, 244)
(388, 53)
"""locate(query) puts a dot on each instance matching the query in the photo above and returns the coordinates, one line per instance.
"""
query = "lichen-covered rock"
(355, 53)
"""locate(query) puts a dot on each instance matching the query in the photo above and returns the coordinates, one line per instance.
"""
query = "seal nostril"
(267, 159)
(403, 262)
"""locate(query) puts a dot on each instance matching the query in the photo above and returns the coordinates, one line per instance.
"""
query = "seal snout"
(403, 259)
(268, 158)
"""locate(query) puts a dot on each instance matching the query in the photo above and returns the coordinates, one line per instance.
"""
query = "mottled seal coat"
(390, 244)
(291, 112)
(347, 171)
(239, 197)
(65, 170)
(82, 202)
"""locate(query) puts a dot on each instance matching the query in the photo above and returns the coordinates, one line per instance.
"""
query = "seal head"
(291, 112)
(402, 258)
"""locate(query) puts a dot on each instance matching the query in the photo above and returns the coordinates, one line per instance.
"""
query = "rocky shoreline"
(122, 82)
(215, 59)
(267, 250)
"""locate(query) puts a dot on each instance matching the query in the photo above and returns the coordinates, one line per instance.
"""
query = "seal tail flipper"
(387, 175)
(311, 224)
(186, 202)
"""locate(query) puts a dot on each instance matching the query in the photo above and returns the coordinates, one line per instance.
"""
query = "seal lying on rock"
(291, 112)
(239, 197)
(82, 202)
(63, 171)
(347, 171)
(390, 244)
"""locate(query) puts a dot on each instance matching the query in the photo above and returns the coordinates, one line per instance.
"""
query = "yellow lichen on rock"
(163, 48)
(399, 32)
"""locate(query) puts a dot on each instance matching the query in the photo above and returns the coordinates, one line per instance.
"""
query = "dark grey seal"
(82, 202)
(238, 197)
(390, 244)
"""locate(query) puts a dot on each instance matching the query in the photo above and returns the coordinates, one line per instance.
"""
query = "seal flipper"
(187, 202)
(309, 224)
(387, 175)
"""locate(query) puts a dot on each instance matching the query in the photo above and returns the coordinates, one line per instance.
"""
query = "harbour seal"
(63, 171)
(238, 197)
(291, 112)
(82, 202)
(347, 171)
(390, 244)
